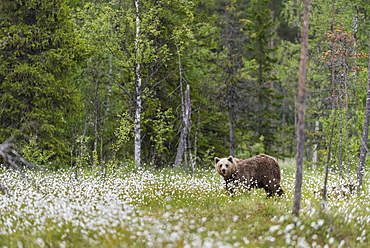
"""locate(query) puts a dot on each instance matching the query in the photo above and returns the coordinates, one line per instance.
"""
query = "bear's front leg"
(229, 185)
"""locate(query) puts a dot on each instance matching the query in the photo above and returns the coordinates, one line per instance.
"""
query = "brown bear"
(261, 171)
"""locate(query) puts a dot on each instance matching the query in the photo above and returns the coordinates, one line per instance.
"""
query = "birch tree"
(139, 55)
(185, 116)
(186, 111)
(138, 102)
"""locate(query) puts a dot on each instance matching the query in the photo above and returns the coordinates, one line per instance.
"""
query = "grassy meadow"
(169, 208)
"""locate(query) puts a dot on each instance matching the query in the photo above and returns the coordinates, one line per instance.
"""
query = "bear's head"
(225, 166)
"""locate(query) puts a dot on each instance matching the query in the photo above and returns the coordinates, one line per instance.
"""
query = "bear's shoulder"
(263, 157)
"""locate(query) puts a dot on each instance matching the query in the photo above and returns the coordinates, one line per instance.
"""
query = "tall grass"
(168, 208)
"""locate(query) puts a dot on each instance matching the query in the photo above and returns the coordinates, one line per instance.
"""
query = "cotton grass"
(168, 208)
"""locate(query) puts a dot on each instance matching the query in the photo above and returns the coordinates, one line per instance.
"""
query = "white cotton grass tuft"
(115, 209)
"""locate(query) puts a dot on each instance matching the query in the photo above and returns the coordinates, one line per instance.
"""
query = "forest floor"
(169, 208)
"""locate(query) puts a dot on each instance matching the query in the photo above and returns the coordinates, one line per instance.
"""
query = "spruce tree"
(232, 65)
(40, 51)
(260, 48)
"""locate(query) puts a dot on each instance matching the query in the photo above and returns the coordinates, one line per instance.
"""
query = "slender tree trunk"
(96, 125)
(181, 150)
(332, 79)
(107, 110)
(82, 148)
(103, 168)
(342, 103)
(232, 138)
(283, 114)
(315, 155)
(347, 135)
(185, 114)
(181, 147)
(272, 41)
(137, 120)
(194, 160)
(345, 102)
(360, 171)
(186, 121)
(324, 192)
(301, 110)
(340, 140)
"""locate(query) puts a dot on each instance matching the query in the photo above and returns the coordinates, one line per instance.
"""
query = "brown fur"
(261, 171)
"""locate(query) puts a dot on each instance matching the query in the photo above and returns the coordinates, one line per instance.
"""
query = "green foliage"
(240, 58)
(258, 148)
(162, 127)
(83, 154)
(32, 152)
(262, 113)
(39, 56)
(167, 28)
(123, 132)
(335, 77)
(248, 149)
(260, 33)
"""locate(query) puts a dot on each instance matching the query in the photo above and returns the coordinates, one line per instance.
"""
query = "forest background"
(101, 83)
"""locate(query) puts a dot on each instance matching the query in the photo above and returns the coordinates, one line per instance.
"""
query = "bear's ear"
(217, 160)
(231, 159)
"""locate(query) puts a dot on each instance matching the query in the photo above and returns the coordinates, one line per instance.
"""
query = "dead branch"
(13, 160)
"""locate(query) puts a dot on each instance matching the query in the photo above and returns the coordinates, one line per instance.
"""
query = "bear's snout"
(223, 170)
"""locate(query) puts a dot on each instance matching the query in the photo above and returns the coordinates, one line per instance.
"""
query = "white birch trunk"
(137, 120)
(181, 150)
(182, 143)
